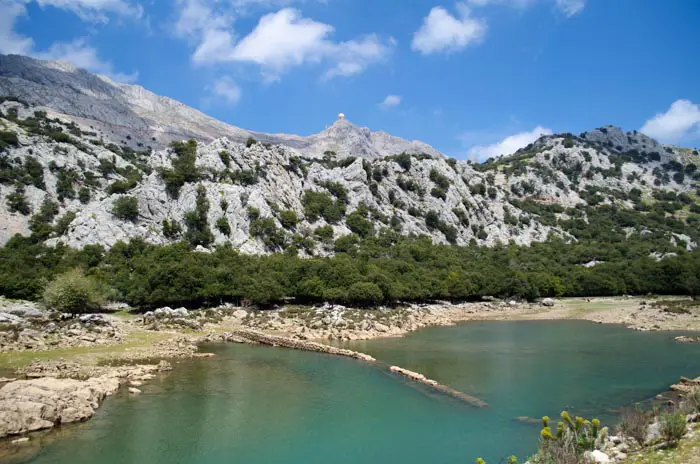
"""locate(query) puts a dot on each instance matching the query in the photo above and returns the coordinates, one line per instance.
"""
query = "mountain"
(66, 176)
(141, 118)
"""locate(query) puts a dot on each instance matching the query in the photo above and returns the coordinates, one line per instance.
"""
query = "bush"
(184, 169)
(266, 230)
(171, 229)
(223, 225)
(320, 204)
(17, 202)
(126, 208)
(566, 445)
(225, 158)
(634, 424)
(84, 195)
(364, 293)
(64, 222)
(198, 231)
(357, 223)
(73, 292)
(672, 427)
(440, 180)
(250, 142)
(289, 219)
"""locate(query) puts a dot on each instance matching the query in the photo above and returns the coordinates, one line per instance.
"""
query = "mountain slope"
(141, 118)
(67, 180)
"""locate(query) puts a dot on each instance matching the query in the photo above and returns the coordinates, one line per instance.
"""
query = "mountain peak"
(140, 118)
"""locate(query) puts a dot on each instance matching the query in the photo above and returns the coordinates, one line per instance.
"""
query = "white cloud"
(570, 7)
(80, 54)
(509, 145)
(285, 39)
(390, 101)
(96, 10)
(681, 121)
(228, 89)
(442, 32)
(10, 41)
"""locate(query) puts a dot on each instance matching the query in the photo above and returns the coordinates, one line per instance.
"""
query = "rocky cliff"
(70, 176)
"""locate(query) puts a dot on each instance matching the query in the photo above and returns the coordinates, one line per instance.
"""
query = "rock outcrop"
(30, 405)
(90, 144)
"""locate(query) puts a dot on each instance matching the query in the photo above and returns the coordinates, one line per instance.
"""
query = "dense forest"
(385, 268)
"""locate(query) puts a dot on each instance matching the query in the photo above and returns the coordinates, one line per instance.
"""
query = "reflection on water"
(254, 404)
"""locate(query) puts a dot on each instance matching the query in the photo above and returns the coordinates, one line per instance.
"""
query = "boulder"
(29, 405)
(96, 319)
(240, 314)
(134, 390)
(597, 457)
(25, 310)
(179, 312)
(7, 318)
(548, 302)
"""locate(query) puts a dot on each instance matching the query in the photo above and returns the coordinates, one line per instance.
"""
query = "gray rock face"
(118, 111)
(30, 405)
(107, 127)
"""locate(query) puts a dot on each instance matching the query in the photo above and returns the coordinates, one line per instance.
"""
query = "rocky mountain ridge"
(65, 181)
(139, 118)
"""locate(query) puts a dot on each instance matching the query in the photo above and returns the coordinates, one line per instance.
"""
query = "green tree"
(198, 231)
(126, 208)
(73, 292)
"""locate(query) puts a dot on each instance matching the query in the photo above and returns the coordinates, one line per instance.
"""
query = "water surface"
(255, 404)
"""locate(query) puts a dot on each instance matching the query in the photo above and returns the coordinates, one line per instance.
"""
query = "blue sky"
(473, 78)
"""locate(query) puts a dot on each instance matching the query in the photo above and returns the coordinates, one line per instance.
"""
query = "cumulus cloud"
(228, 90)
(508, 145)
(443, 32)
(390, 101)
(285, 39)
(680, 121)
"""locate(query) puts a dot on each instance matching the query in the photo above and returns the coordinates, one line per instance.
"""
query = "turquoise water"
(254, 404)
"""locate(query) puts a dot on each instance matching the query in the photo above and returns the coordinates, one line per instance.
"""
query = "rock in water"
(29, 405)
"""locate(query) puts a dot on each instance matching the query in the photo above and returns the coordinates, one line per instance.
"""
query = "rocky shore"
(130, 348)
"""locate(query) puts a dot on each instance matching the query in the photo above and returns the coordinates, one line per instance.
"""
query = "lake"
(258, 404)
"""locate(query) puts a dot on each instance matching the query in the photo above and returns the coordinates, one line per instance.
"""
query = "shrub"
(403, 160)
(357, 223)
(288, 218)
(64, 222)
(440, 180)
(126, 208)
(171, 229)
(320, 204)
(634, 424)
(223, 225)
(325, 233)
(73, 292)
(8, 139)
(17, 202)
(437, 192)
(198, 231)
(672, 427)
(365, 293)
(266, 230)
(184, 169)
(84, 195)
(336, 189)
(225, 158)
(572, 438)
(477, 189)
(250, 142)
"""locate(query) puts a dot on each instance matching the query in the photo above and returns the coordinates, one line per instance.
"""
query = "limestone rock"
(29, 405)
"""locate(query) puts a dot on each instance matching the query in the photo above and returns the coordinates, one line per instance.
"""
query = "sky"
(473, 78)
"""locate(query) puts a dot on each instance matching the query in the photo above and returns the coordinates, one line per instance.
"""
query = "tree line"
(382, 269)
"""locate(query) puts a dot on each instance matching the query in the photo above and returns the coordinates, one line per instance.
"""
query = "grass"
(83, 354)
(687, 452)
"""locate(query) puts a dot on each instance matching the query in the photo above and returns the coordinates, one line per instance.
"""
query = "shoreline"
(147, 342)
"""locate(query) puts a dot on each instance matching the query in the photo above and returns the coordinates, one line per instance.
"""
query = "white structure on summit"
(341, 116)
